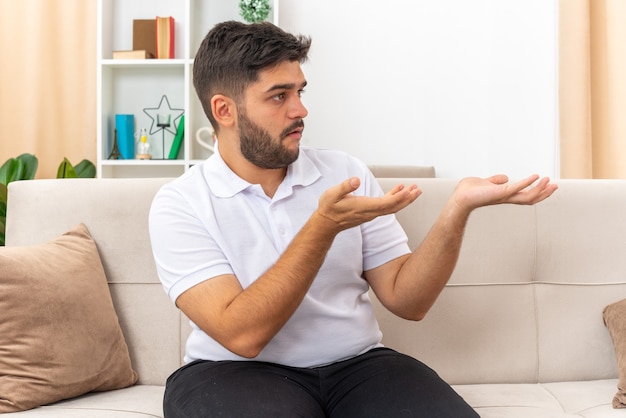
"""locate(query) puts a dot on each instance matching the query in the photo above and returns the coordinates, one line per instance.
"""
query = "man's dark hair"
(232, 54)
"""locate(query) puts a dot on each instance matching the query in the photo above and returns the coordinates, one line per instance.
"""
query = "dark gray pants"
(380, 383)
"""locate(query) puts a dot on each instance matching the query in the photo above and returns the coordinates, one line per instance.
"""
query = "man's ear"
(224, 110)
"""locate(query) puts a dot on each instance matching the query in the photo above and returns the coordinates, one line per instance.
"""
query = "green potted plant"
(84, 169)
(24, 167)
(254, 11)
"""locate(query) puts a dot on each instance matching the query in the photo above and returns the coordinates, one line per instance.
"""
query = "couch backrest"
(395, 171)
(116, 213)
(524, 303)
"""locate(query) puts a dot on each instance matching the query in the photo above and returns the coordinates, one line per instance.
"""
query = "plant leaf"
(30, 166)
(11, 170)
(66, 170)
(3, 212)
(85, 169)
(3, 201)
(4, 171)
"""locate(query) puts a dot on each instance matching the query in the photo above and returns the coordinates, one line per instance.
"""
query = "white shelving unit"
(129, 86)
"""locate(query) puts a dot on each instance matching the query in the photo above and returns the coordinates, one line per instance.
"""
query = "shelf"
(132, 86)
(143, 63)
(140, 163)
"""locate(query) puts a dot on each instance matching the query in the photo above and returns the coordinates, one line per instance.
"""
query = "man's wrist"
(325, 224)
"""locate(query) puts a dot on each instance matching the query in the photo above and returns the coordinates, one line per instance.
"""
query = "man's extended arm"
(408, 286)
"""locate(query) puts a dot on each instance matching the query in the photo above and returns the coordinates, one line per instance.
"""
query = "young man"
(270, 248)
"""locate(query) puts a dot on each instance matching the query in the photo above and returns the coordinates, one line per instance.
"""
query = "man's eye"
(280, 96)
(301, 92)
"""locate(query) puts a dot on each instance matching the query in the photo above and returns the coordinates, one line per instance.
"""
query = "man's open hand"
(345, 210)
(474, 192)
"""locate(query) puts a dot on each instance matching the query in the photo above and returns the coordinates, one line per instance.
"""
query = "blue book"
(125, 125)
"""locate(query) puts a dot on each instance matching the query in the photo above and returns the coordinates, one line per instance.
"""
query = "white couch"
(518, 331)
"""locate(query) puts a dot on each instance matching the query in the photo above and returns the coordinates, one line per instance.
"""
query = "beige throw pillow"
(615, 319)
(59, 334)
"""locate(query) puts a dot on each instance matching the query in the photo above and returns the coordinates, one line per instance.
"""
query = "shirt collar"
(225, 183)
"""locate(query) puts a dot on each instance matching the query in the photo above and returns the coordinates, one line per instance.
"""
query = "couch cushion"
(132, 402)
(59, 335)
(614, 316)
(544, 400)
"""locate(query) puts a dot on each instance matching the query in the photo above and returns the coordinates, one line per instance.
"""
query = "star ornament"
(164, 109)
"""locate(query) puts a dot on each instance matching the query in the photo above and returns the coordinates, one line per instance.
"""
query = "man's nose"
(298, 110)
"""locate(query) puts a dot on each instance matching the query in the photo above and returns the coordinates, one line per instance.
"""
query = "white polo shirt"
(210, 222)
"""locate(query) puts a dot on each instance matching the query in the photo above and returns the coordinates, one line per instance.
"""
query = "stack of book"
(135, 54)
(152, 38)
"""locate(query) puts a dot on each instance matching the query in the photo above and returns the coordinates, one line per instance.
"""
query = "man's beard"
(258, 146)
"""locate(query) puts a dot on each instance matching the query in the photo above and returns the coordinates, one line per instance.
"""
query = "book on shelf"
(139, 54)
(144, 36)
(178, 139)
(165, 37)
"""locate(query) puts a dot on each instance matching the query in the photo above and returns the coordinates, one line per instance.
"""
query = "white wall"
(469, 86)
